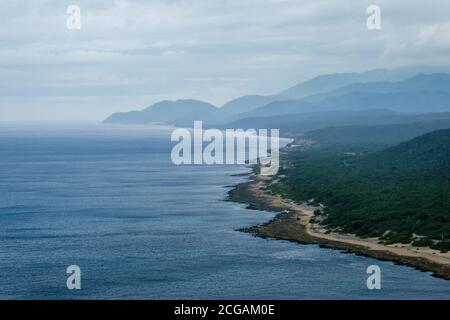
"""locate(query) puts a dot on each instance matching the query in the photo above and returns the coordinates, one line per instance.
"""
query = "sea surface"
(109, 199)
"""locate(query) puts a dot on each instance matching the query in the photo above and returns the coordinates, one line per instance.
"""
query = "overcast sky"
(129, 54)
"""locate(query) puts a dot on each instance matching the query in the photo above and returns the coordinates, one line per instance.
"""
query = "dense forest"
(400, 194)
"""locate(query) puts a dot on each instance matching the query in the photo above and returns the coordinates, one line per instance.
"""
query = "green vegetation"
(443, 246)
(391, 194)
(423, 243)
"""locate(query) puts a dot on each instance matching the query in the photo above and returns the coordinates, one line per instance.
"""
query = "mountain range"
(326, 96)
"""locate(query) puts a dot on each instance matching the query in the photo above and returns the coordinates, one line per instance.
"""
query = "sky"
(129, 54)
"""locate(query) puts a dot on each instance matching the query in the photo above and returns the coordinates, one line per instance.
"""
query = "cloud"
(142, 51)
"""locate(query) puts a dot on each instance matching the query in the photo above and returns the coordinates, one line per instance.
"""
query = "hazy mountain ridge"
(180, 112)
(294, 125)
(311, 89)
(331, 82)
(277, 108)
(421, 93)
(425, 83)
(382, 135)
(247, 103)
(421, 102)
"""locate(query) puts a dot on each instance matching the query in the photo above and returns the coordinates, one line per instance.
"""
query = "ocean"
(109, 200)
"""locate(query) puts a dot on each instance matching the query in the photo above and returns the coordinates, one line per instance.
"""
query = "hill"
(331, 82)
(424, 83)
(412, 102)
(377, 89)
(278, 108)
(318, 85)
(180, 112)
(246, 104)
(399, 194)
(294, 125)
(376, 135)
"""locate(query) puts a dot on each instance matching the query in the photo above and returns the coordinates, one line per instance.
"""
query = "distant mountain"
(313, 88)
(246, 104)
(426, 83)
(278, 108)
(180, 113)
(293, 125)
(393, 89)
(419, 94)
(381, 135)
(331, 82)
(412, 102)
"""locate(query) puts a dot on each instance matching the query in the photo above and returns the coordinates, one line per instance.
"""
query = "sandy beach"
(293, 223)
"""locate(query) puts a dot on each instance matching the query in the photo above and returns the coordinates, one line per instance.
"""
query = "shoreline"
(292, 223)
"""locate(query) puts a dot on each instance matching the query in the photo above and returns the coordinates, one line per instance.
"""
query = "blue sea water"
(109, 200)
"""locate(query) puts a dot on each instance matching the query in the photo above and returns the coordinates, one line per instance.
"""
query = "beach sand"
(293, 223)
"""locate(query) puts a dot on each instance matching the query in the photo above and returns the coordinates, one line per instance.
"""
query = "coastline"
(292, 223)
